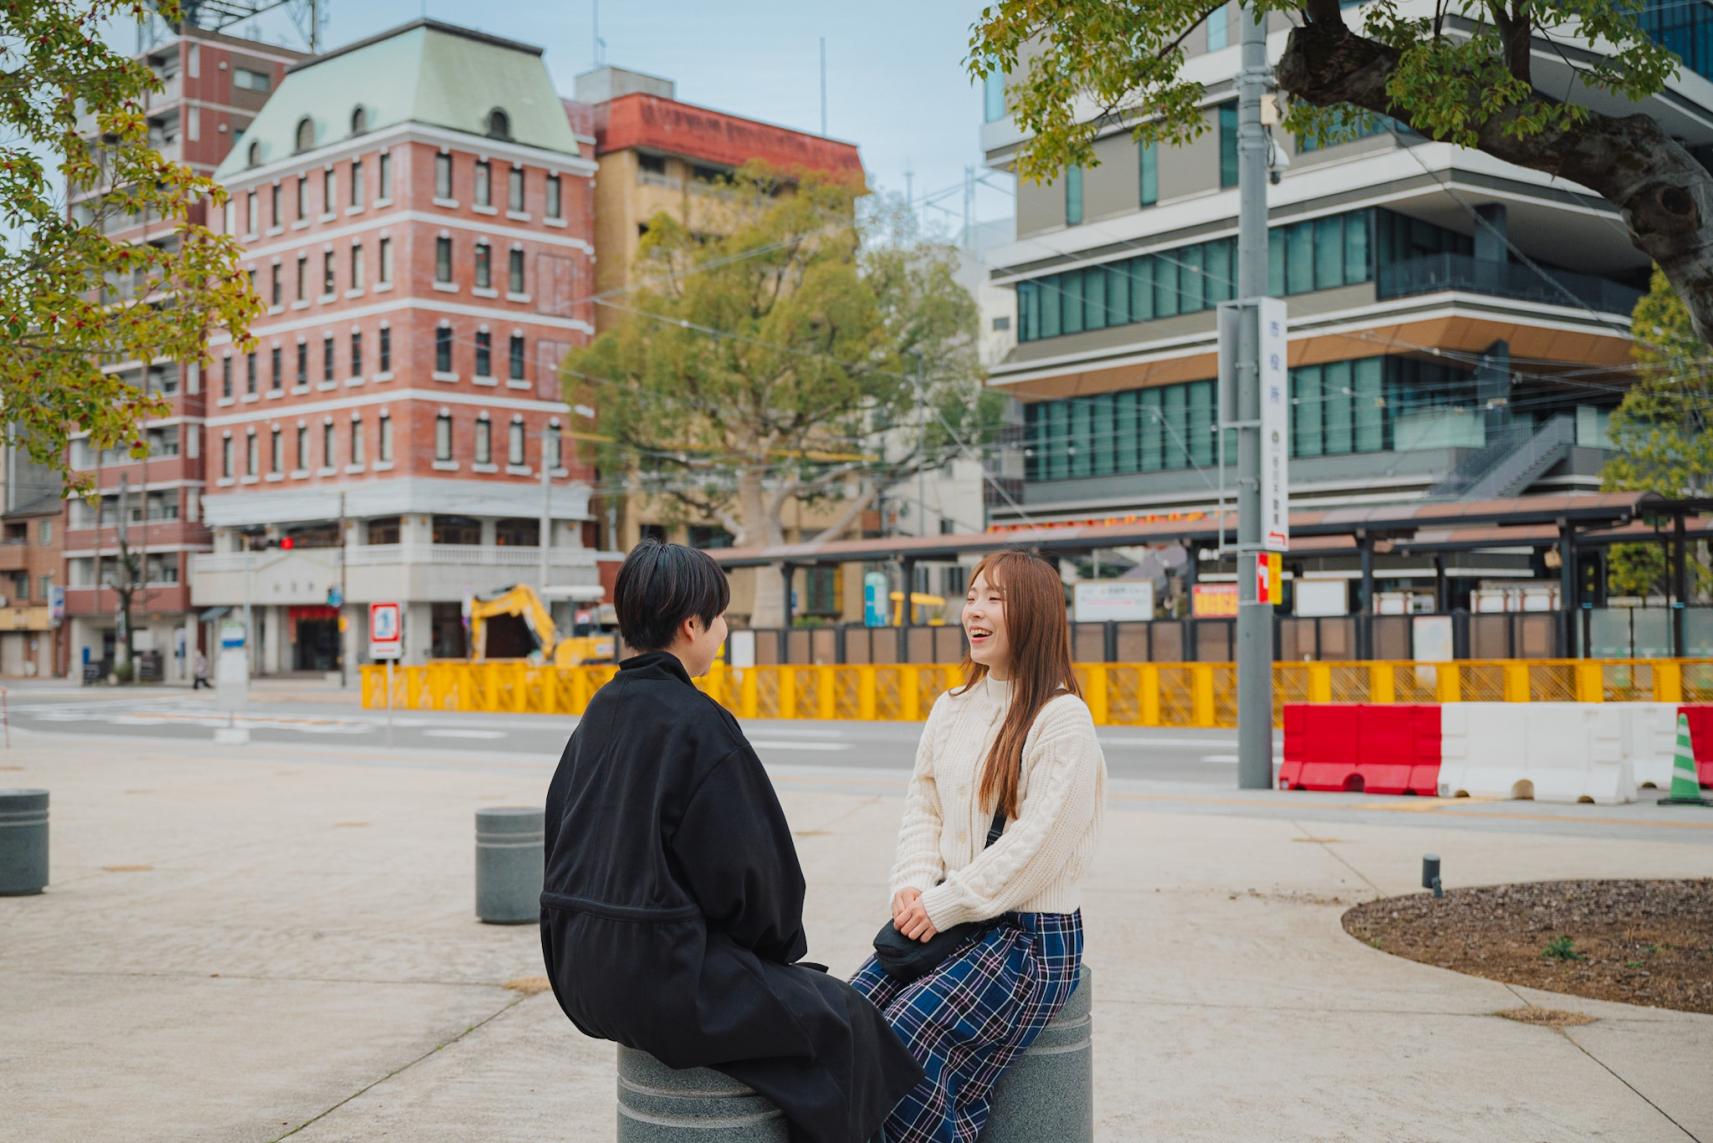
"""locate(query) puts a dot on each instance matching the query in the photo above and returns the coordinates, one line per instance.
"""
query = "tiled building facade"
(416, 212)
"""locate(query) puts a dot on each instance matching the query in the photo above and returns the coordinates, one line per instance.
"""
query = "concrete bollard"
(658, 1104)
(23, 842)
(1049, 1093)
(509, 845)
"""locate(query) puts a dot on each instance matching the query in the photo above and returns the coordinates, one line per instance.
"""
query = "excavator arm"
(519, 603)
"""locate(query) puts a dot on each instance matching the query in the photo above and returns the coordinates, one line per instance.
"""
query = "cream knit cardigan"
(1037, 864)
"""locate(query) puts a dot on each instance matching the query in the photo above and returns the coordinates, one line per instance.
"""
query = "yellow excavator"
(513, 623)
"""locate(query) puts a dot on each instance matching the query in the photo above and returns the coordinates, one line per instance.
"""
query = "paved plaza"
(279, 940)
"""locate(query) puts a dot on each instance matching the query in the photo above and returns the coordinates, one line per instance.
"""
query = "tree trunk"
(1666, 196)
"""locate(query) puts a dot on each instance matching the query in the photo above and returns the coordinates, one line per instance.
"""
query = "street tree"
(1662, 432)
(817, 352)
(73, 129)
(1462, 73)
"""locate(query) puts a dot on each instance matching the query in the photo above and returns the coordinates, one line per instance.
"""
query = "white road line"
(447, 733)
(1219, 757)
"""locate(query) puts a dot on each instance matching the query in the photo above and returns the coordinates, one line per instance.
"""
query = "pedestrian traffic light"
(287, 543)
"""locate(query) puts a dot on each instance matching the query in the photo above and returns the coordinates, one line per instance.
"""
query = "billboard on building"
(1214, 601)
(1104, 601)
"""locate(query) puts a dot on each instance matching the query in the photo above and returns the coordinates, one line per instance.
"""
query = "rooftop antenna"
(823, 85)
(600, 44)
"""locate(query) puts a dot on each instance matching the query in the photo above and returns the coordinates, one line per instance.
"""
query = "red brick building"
(417, 214)
(213, 86)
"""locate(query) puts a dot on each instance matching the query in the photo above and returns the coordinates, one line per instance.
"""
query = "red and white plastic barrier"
(1361, 747)
(1557, 752)
(1547, 751)
(1653, 741)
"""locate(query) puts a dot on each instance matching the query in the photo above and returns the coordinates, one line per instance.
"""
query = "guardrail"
(1118, 694)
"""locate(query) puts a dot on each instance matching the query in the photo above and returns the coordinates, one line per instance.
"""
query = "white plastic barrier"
(1549, 752)
(1650, 741)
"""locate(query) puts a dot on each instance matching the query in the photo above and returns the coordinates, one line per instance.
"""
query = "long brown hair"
(1040, 640)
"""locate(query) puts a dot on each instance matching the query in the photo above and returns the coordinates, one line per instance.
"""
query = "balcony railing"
(1437, 272)
(394, 555)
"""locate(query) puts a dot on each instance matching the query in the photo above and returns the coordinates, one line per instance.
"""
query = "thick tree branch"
(1665, 195)
(847, 516)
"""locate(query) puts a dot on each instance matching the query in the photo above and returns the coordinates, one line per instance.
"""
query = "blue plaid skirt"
(966, 1021)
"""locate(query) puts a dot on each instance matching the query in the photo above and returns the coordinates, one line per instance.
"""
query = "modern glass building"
(1449, 313)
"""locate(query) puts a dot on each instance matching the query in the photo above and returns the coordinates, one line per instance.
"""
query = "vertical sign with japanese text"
(1275, 428)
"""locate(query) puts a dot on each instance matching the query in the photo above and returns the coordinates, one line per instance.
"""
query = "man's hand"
(914, 922)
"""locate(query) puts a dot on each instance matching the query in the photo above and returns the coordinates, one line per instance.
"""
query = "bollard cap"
(24, 799)
(511, 820)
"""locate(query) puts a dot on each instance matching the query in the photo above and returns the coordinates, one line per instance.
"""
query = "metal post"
(249, 609)
(1566, 589)
(122, 618)
(339, 612)
(544, 540)
(1679, 588)
(1365, 599)
(786, 571)
(1254, 618)
(904, 626)
(1441, 594)
(1189, 619)
(921, 447)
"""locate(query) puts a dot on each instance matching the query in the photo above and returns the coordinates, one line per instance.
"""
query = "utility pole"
(1254, 616)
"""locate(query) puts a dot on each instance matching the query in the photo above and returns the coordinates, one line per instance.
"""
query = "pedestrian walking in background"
(199, 672)
(1000, 824)
(672, 910)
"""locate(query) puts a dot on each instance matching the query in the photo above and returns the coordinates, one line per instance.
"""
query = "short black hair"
(662, 585)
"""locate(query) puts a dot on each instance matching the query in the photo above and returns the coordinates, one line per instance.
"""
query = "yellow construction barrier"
(1118, 694)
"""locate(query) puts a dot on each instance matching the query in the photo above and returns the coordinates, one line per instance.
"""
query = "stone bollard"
(1049, 1093)
(509, 844)
(23, 842)
(658, 1104)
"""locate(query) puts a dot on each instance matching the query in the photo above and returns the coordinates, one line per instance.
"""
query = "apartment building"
(1458, 327)
(416, 211)
(213, 86)
(32, 600)
(659, 154)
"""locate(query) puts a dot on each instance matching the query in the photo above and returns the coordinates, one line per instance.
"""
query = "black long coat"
(672, 911)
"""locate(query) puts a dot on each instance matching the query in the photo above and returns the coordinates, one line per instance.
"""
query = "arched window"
(255, 154)
(499, 124)
(305, 133)
(359, 121)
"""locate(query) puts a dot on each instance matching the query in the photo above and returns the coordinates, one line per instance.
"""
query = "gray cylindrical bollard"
(1049, 1093)
(658, 1104)
(23, 842)
(509, 843)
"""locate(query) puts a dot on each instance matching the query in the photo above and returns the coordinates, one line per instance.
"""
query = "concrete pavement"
(280, 941)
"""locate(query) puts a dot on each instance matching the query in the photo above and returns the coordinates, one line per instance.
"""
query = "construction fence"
(1118, 694)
